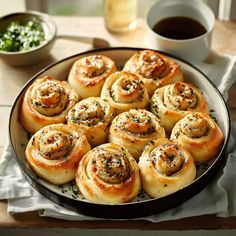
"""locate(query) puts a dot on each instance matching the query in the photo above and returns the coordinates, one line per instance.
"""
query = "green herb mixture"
(22, 37)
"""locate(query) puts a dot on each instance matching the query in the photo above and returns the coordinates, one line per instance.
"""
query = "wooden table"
(12, 79)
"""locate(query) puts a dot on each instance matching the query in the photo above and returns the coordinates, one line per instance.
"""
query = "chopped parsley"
(22, 37)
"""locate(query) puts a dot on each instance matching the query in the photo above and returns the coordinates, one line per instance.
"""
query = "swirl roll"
(108, 174)
(88, 74)
(156, 69)
(200, 134)
(124, 91)
(165, 167)
(55, 151)
(134, 129)
(47, 101)
(172, 102)
(93, 116)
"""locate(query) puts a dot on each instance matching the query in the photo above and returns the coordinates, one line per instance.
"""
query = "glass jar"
(120, 15)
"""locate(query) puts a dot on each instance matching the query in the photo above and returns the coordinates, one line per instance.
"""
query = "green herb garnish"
(22, 37)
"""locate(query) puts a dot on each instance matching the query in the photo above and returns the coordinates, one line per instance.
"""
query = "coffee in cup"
(181, 27)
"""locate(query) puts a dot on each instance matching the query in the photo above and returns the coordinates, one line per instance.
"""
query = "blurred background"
(66, 7)
(223, 9)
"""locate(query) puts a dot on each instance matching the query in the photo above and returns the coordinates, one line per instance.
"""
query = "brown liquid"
(179, 28)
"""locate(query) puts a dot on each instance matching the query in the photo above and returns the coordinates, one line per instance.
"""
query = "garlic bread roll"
(198, 133)
(172, 102)
(93, 116)
(46, 101)
(156, 69)
(165, 167)
(124, 91)
(108, 174)
(89, 73)
(55, 151)
(134, 129)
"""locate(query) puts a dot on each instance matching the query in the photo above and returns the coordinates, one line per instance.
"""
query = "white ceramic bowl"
(193, 49)
(36, 54)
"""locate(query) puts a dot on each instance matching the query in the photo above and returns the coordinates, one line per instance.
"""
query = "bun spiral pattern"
(172, 102)
(108, 174)
(165, 167)
(46, 101)
(134, 129)
(198, 133)
(130, 151)
(55, 151)
(93, 116)
(124, 91)
(89, 73)
(156, 69)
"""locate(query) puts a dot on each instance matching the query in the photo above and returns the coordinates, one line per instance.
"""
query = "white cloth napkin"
(217, 198)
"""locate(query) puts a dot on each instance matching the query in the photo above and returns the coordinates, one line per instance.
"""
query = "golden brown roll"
(89, 73)
(124, 91)
(172, 102)
(198, 133)
(46, 101)
(55, 151)
(108, 174)
(156, 69)
(165, 167)
(93, 116)
(134, 129)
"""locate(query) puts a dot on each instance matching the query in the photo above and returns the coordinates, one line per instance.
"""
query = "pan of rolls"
(119, 132)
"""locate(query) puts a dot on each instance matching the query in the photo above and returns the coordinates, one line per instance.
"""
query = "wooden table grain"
(12, 80)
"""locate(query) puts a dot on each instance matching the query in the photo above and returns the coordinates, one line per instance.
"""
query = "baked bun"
(124, 91)
(156, 69)
(46, 101)
(165, 167)
(93, 116)
(108, 174)
(198, 133)
(89, 73)
(172, 102)
(134, 129)
(55, 151)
